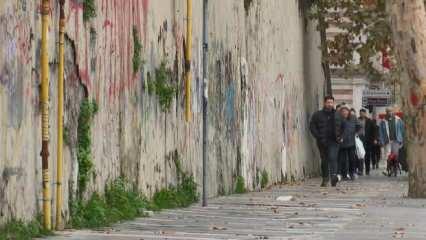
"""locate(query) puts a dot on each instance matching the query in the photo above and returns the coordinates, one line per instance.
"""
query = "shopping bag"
(360, 150)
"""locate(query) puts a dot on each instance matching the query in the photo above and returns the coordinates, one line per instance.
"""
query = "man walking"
(391, 133)
(368, 136)
(377, 149)
(325, 128)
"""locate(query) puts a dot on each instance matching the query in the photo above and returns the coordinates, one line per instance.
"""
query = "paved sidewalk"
(370, 208)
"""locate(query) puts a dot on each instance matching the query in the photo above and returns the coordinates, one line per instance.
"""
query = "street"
(373, 207)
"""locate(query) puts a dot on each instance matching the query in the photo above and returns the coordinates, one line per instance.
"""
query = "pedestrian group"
(351, 146)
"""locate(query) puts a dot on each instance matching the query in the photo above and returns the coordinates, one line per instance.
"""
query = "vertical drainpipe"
(188, 55)
(59, 163)
(44, 102)
(205, 98)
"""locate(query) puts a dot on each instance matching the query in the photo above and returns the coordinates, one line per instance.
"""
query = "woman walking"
(347, 158)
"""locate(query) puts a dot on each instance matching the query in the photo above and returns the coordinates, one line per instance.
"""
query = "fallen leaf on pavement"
(358, 205)
(162, 232)
(218, 228)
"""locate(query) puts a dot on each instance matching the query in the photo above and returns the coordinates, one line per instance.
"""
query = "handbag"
(360, 150)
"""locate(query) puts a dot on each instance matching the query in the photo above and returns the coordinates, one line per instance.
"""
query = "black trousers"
(347, 161)
(329, 159)
(377, 151)
(360, 165)
(370, 159)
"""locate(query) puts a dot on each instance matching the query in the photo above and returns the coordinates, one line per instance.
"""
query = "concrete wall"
(265, 79)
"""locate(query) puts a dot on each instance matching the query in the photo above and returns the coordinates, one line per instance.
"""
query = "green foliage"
(120, 202)
(163, 88)
(66, 136)
(89, 10)
(84, 148)
(137, 49)
(18, 229)
(265, 179)
(366, 30)
(182, 195)
(240, 185)
(150, 85)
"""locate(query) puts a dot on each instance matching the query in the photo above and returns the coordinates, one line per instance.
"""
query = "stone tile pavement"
(372, 207)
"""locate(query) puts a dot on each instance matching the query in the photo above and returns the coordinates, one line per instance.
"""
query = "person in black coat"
(323, 126)
(369, 137)
(347, 158)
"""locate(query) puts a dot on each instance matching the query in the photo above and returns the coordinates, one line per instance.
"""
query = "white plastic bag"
(360, 150)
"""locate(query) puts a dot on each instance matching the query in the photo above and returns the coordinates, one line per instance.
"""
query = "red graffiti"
(84, 76)
(22, 31)
(107, 23)
(280, 77)
(76, 5)
(414, 98)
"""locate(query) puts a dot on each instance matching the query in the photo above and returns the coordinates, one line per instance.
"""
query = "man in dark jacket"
(323, 128)
(369, 137)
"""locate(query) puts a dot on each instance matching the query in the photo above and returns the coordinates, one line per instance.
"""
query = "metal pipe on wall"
(205, 99)
(59, 162)
(44, 102)
(188, 56)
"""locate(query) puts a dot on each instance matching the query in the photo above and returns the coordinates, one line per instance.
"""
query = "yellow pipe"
(60, 117)
(188, 55)
(44, 101)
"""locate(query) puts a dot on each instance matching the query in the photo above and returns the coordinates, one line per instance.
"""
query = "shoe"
(324, 183)
(360, 174)
(346, 177)
(334, 180)
(367, 173)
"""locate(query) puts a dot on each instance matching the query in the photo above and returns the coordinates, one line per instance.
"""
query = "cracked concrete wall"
(265, 79)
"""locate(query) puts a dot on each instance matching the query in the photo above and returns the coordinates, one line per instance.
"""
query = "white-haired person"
(391, 133)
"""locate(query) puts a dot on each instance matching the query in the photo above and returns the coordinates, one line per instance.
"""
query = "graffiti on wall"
(16, 40)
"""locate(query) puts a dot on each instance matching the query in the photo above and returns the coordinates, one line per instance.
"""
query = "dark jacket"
(350, 127)
(323, 126)
(370, 132)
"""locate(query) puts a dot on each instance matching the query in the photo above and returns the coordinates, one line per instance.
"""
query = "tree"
(408, 20)
(365, 30)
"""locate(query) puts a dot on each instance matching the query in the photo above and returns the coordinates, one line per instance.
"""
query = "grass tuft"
(18, 229)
